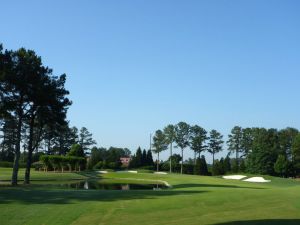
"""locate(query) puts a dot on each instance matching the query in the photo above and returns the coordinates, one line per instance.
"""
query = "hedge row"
(10, 164)
(58, 162)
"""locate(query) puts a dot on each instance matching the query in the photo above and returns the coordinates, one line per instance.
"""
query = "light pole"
(150, 141)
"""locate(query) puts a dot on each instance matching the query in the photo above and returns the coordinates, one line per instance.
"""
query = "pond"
(98, 184)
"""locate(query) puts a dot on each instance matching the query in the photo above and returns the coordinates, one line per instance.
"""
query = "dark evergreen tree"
(182, 138)
(76, 150)
(227, 164)
(17, 71)
(85, 139)
(144, 158)
(246, 141)
(170, 135)
(138, 156)
(49, 105)
(264, 152)
(8, 138)
(215, 143)
(296, 155)
(197, 140)
(62, 138)
(31, 96)
(133, 162)
(217, 168)
(159, 144)
(242, 167)
(281, 166)
(149, 158)
(235, 142)
(222, 166)
(197, 166)
(286, 139)
(203, 166)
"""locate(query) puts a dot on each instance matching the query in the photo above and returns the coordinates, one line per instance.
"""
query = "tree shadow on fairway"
(179, 186)
(38, 196)
(264, 222)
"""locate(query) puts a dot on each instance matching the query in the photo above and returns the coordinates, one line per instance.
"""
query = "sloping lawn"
(191, 200)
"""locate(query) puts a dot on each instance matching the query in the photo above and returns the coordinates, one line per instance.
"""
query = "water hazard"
(98, 184)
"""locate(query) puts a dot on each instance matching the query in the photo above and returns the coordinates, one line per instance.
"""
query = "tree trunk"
(237, 159)
(171, 158)
(157, 164)
(213, 159)
(30, 150)
(181, 170)
(195, 155)
(28, 166)
(14, 178)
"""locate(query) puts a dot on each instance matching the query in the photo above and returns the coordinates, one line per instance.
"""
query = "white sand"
(234, 177)
(102, 171)
(163, 173)
(127, 171)
(257, 180)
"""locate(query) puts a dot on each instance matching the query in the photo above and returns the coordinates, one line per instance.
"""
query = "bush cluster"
(107, 165)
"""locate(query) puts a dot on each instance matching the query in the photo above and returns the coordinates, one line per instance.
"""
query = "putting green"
(192, 200)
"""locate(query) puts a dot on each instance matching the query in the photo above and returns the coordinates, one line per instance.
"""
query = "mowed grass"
(191, 200)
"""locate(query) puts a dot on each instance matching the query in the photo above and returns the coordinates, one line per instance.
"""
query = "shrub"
(217, 168)
(188, 168)
(6, 164)
(11, 164)
(234, 166)
(38, 165)
(201, 166)
(242, 166)
(114, 165)
(147, 168)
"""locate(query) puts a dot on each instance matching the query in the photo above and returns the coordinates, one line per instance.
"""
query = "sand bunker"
(234, 177)
(102, 171)
(257, 180)
(127, 171)
(164, 173)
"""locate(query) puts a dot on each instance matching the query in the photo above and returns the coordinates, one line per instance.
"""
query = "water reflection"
(100, 185)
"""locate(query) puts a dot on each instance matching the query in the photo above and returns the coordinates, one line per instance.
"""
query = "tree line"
(33, 116)
(102, 158)
(33, 111)
(142, 159)
(255, 150)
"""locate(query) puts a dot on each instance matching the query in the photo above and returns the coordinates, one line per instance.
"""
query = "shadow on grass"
(89, 174)
(264, 222)
(178, 186)
(41, 196)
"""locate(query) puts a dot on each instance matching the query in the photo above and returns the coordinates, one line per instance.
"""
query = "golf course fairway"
(191, 200)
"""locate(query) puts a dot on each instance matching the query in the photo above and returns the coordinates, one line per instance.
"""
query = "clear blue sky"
(136, 66)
